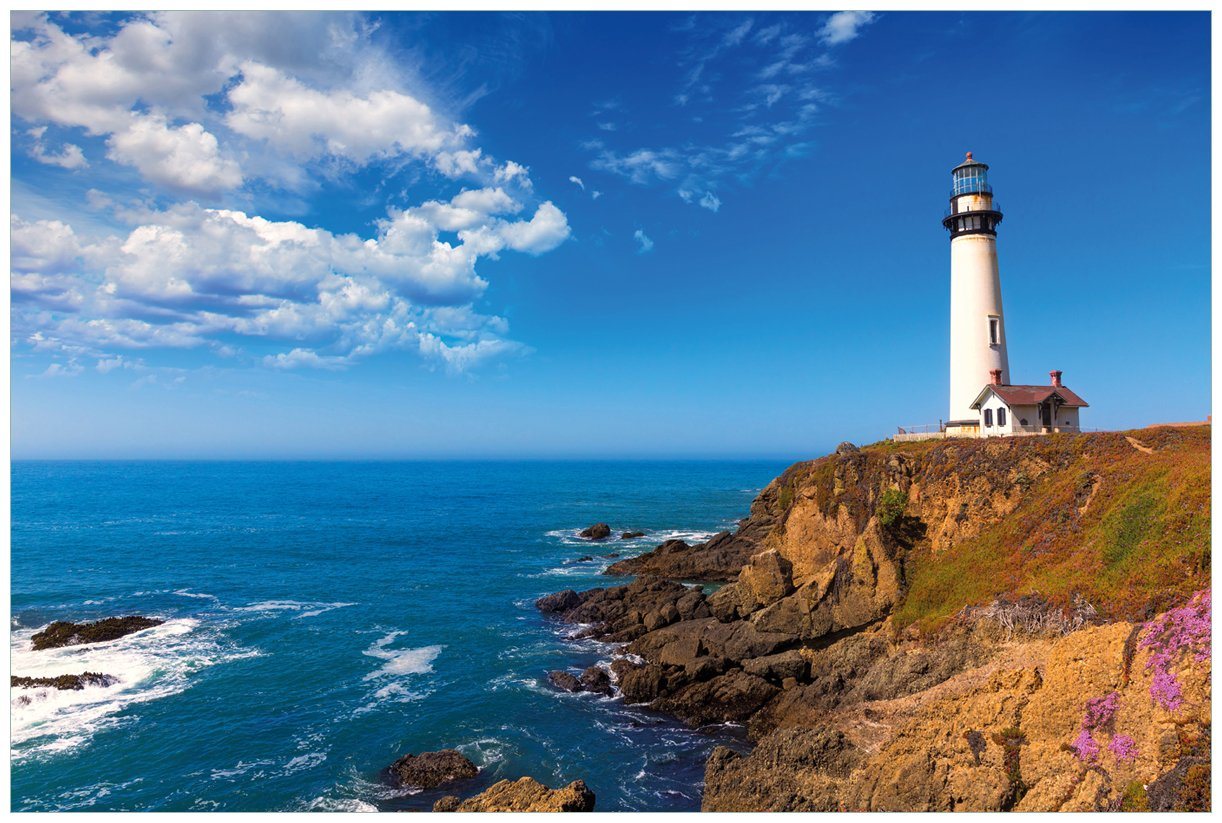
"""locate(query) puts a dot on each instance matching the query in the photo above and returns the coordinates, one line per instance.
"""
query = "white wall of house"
(993, 404)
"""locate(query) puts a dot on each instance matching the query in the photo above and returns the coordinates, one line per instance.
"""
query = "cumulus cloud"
(189, 277)
(844, 26)
(210, 110)
(181, 158)
(644, 244)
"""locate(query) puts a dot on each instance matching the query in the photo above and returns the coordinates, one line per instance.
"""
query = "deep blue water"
(325, 618)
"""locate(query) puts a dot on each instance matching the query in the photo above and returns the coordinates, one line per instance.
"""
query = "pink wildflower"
(1100, 710)
(1165, 690)
(1123, 747)
(1086, 747)
(1181, 630)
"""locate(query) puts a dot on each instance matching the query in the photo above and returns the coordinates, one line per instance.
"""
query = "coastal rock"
(718, 559)
(847, 448)
(62, 633)
(733, 696)
(428, 770)
(631, 535)
(792, 771)
(595, 679)
(778, 667)
(448, 803)
(585, 558)
(529, 795)
(564, 681)
(558, 602)
(599, 531)
(64, 682)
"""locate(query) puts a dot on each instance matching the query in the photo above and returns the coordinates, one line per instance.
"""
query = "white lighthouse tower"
(977, 323)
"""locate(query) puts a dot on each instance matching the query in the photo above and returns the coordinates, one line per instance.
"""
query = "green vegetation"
(1135, 798)
(891, 507)
(1124, 529)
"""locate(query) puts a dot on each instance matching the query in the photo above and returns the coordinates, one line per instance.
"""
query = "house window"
(994, 331)
(1001, 417)
(988, 418)
(1023, 422)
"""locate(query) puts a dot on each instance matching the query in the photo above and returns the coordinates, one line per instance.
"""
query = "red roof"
(1031, 395)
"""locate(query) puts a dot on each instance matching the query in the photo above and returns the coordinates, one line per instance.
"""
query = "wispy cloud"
(644, 244)
(760, 84)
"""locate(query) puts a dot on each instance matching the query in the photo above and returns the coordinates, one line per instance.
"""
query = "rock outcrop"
(428, 770)
(523, 795)
(62, 633)
(911, 627)
(64, 682)
(599, 531)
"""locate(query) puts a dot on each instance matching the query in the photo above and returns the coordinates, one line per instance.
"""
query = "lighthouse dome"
(970, 177)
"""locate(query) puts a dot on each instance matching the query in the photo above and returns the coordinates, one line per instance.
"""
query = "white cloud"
(710, 201)
(207, 105)
(594, 195)
(577, 181)
(542, 233)
(844, 26)
(641, 166)
(643, 241)
(183, 158)
(189, 277)
(70, 155)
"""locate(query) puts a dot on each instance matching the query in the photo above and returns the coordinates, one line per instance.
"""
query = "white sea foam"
(196, 595)
(302, 609)
(148, 665)
(304, 761)
(397, 665)
(339, 804)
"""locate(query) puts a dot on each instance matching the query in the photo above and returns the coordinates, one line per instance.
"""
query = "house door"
(1046, 414)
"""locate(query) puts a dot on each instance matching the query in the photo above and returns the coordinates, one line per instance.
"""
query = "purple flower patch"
(1123, 747)
(1184, 630)
(1085, 746)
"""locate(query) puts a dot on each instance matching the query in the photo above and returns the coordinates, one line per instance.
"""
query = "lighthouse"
(977, 322)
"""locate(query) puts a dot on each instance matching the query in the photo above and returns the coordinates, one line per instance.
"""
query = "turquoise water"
(325, 618)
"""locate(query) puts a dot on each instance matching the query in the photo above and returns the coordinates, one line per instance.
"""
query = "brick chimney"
(995, 377)
(1056, 378)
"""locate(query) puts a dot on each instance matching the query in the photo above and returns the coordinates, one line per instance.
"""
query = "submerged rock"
(631, 535)
(62, 633)
(599, 531)
(64, 682)
(529, 795)
(429, 770)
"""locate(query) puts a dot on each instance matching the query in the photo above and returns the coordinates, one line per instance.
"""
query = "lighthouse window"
(988, 418)
(994, 331)
(1001, 417)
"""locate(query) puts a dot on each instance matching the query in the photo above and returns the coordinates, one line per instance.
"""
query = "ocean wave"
(339, 804)
(303, 609)
(147, 665)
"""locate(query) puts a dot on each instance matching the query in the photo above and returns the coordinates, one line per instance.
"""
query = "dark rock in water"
(564, 681)
(847, 448)
(585, 558)
(64, 682)
(529, 795)
(558, 602)
(733, 696)
(429, 770)
(449, 803)
(62, 633)
(599, 531)
(596, 680)
(631, 535)
(719, 559)
(610, 556)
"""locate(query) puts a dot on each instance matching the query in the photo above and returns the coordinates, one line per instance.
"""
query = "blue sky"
(587, 235)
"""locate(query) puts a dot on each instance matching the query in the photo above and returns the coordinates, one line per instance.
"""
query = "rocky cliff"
(924, 626)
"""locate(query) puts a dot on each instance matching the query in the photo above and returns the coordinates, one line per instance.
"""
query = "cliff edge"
(924, 626)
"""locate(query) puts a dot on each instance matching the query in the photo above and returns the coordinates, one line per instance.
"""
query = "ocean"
(325, 618)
